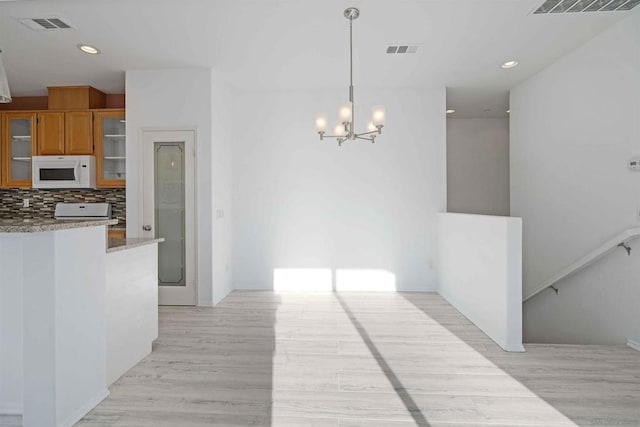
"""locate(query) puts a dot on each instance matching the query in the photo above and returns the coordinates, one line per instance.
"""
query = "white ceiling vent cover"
(570, 6)
(42, 24)
(400, 49)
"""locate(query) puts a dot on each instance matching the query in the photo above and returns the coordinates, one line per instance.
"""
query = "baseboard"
(251, 287)
(10, 410)
(84, 409)
(634, 344)
(217, 299)
(514, 348)
(10, 420)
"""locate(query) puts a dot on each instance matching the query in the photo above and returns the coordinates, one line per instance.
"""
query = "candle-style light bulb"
(321, 123)
(378, 115)
(345, 113)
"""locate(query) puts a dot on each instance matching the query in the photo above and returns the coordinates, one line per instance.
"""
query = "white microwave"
(63, 172)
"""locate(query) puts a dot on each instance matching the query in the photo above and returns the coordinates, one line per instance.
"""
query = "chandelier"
(345, 130)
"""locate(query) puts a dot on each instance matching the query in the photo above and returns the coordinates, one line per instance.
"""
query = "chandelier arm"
(372, 139)
(373, 132)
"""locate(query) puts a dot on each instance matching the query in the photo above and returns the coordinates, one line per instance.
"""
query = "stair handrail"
(620, 240)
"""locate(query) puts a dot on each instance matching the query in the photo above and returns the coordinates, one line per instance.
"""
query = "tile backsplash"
(42, 203)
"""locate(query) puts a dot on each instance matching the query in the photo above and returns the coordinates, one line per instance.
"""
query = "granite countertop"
(40, 225)
(115, 245)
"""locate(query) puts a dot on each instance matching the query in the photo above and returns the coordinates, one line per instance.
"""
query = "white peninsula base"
(131, 306)
(74, 316)
(52, 324)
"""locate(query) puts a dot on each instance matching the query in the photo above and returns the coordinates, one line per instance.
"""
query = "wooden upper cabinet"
(69, 133)
(78, 133)
(18, 145)
(76, 98)
(50, 133)
(109, 133)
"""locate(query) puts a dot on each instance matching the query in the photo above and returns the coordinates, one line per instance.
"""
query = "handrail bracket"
(626, 248)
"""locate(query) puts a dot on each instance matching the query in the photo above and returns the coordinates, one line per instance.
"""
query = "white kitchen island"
(54, 296)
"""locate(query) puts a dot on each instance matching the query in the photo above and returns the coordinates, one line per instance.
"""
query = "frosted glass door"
(169, 183)
(168, 211)
(20, 131)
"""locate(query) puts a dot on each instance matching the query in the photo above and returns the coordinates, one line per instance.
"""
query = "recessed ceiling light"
(451, 111)
(88, 49)
(509, 64)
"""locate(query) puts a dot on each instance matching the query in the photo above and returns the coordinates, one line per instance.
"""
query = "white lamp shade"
(379, 116)
(371, 127)
(345, 113)
(321, 123)
(5, 95)
(339, 130)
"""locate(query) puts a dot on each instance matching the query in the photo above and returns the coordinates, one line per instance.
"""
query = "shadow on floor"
(209, 366)
(590, 385)
(401, 391)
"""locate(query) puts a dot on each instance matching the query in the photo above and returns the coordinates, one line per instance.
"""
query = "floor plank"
(361, 359)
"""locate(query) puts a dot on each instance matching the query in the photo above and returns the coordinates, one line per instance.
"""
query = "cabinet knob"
(146, 227)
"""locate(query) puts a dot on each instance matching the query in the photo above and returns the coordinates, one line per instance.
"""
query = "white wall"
(598, 305)
(310, 206)
(222, 124)
(480, 273)
(478, 166)
(573, 127)
(168, 99)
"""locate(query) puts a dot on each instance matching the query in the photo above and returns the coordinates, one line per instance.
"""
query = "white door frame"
(190, 149)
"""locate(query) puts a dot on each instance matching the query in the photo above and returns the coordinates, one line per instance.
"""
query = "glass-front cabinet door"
(18, 145)
(110, 148)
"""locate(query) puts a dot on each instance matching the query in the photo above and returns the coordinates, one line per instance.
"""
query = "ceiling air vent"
(569, 6)
(398, 49)
(42, 24)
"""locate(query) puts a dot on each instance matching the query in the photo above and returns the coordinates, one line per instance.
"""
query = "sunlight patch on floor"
(323, 364)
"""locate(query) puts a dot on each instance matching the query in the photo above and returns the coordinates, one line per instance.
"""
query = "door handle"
(146, 227)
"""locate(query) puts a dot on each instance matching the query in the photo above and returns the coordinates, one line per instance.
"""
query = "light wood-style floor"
(361, 359)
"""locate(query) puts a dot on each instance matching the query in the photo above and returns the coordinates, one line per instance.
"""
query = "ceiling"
(294, 44)
(473, 102)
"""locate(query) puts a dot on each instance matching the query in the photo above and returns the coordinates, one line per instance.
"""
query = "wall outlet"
(219, 213)
(25, 203)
